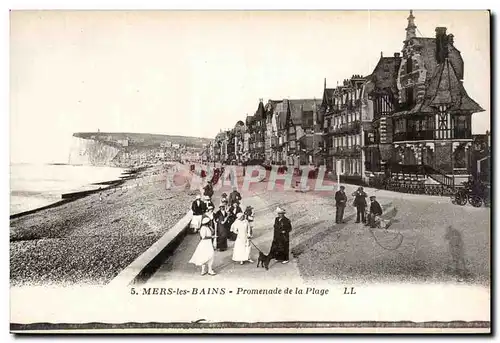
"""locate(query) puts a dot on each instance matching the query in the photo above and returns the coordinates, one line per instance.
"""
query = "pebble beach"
(90, 240)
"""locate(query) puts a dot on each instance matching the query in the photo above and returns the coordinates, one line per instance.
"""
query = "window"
(409, 65)
(409, 96)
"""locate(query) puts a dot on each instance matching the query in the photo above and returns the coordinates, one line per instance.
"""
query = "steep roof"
(327, 96)
(427, 47)
(260, 113)
(274, 103)
(383, 79)
(297, 107)
(446, 88)
(281, 120)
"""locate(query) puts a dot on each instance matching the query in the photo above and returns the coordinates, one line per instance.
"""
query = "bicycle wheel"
(475, 201)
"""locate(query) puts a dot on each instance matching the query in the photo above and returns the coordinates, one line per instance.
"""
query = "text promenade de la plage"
(238, 291)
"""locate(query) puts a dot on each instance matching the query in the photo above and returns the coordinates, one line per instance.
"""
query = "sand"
(90, 240)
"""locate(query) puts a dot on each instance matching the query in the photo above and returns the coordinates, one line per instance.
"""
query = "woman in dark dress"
(233, 211)
(280, 248)
(221, 220)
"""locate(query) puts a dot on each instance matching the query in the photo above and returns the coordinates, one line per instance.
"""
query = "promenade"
(414, 249)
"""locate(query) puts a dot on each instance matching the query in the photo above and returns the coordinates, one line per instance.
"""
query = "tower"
(410, 29)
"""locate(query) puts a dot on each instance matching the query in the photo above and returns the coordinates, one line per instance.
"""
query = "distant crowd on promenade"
(231, 223)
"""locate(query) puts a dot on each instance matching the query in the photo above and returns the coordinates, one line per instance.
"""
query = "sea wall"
(92, 152)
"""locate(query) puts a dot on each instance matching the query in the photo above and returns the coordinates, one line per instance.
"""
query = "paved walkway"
(177, 267)
(414, 249)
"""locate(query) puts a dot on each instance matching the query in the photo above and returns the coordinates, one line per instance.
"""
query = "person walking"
(340, 203)
(204, 254)
(208, 202)
(198, 207)
(280, 247)
(241, 227)
(208, 190)
(360, 204)
(211, 215)
(375, 212)
(223, 198)
(234, 196)
(234, 210)
(221, 220)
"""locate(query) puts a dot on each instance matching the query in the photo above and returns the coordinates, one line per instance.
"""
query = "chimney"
(397, 54)
(450, 39)
(441, 44)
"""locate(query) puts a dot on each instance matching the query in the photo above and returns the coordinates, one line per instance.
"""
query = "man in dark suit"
(208, 190)
(234, 197)
(360, 204)
(199, 208)
(280, 248)
(340, 203)
(375, 212)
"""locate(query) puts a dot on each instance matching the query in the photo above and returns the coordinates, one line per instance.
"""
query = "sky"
(193, 73)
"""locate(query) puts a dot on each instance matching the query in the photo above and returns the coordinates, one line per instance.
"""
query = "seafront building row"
(409, 120)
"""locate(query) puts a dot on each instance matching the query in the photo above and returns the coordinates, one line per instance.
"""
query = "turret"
(411, 28)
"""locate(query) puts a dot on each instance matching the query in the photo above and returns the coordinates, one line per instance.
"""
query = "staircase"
(439, 176)
(412, 179)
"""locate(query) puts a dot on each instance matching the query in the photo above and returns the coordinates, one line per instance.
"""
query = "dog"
(263, 260)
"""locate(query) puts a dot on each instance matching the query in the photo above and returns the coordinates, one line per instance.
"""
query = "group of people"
(231, 223)
(370, 218)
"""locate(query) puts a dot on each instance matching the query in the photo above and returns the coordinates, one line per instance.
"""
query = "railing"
(461, 134)
(418, 169)
(429, 135)
(345, 151)
(352, 127)
(417, 188)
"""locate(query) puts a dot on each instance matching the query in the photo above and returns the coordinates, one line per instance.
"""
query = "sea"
(37, 185)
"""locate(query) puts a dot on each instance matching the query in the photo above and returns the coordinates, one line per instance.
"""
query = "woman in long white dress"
(242, 248)
(204, 254)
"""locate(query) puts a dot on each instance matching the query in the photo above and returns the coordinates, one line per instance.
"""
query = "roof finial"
(410, 29)
(324, 86)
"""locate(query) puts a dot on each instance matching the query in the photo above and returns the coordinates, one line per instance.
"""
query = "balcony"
(352, 151)
(346, 128)
(430, 135)
(462, 134)
(414, 136)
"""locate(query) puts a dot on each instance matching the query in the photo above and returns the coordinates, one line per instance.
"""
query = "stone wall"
(442, 156)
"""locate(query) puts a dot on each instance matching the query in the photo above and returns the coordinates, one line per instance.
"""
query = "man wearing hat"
(210, 214)
(208, 202)
(360, 204)
(234, 197)
(375, 212)
(340, 203)
(223, 198)
(198, 207)
(208, 190)
(280, 247)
